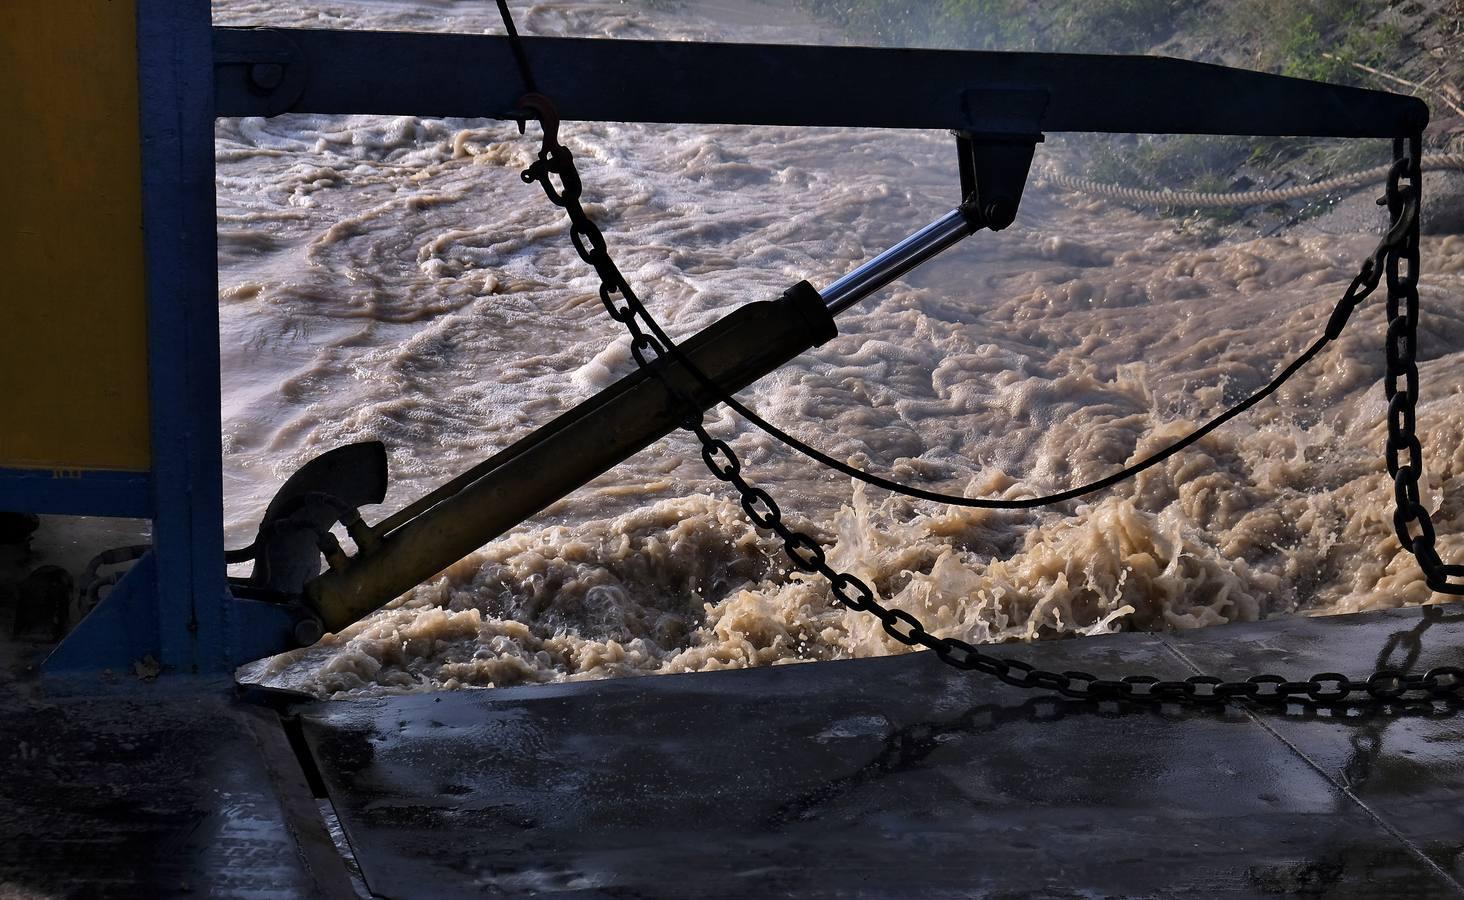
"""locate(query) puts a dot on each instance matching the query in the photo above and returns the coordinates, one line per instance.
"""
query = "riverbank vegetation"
(1320, 39)
(1408, 46)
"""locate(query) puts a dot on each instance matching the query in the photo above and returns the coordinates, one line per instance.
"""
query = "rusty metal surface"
(896, 777)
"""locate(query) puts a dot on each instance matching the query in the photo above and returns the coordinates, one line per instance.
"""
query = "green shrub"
(1049, 25)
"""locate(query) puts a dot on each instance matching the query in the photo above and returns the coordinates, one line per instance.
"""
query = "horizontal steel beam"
(269, 71)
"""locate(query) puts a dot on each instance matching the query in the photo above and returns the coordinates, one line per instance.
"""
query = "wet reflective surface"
(1407, 770)
(147, 790)
(896, 777)
(888, 777)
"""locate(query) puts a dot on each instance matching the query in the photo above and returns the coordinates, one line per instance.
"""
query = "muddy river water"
(393, 279)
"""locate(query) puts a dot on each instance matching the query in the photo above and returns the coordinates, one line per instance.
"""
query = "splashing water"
(391, 278)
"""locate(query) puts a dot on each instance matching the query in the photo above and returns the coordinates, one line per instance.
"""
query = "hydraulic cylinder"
(574, 448)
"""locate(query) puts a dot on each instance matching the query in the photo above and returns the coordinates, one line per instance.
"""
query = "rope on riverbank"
(1434, 162)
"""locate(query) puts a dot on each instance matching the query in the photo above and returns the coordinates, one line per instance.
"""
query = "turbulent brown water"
(393, 279)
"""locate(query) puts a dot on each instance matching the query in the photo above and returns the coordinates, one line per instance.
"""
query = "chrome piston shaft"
(914, 250)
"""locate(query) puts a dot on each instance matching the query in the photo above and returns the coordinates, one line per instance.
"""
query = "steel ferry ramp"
(872, 778)
(136, 768)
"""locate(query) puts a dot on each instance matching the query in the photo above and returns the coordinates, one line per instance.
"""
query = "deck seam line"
(1320, 770)
(326, 867)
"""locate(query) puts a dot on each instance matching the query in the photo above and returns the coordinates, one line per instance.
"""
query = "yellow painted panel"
(73, 312)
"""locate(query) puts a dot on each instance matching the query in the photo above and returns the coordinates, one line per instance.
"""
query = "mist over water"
(393, 279)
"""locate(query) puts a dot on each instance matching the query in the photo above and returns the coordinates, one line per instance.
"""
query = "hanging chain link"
(1404, 452)
(649, 343)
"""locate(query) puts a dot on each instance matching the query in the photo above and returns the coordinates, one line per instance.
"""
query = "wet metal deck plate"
(900, 778)
(154, 790)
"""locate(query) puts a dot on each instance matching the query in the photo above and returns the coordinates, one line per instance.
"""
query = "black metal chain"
(536, 104)
(520, 57)
(650, 343)
(1404, 184)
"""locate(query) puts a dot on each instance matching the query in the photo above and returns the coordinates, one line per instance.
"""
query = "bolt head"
(308, 631)
(267, 76)
(999, 213)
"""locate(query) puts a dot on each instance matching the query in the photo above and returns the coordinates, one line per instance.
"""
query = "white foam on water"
(392, 278)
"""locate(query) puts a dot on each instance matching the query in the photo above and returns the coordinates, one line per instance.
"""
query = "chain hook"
(541, 109)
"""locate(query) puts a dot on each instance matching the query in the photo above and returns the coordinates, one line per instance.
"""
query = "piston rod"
(918, 248)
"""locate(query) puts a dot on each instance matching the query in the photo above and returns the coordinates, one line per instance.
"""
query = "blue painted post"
(175, 61)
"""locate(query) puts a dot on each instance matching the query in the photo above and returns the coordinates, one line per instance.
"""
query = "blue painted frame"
(77, 493)
(175, 72)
